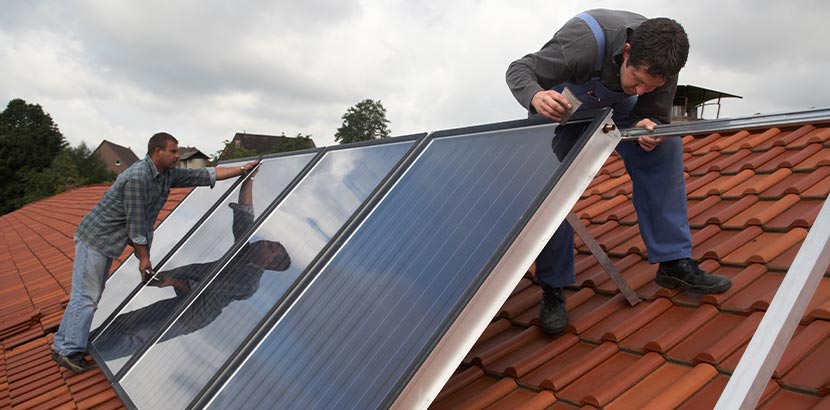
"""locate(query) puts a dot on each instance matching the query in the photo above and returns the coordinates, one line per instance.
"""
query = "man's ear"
(626, 52)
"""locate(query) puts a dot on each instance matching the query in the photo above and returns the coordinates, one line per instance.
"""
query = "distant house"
(244, 144)
(191, 157)
(116, 157)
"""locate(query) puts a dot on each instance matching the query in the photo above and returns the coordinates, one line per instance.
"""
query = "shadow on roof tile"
(708, 396)
(665, 388)
(569, 365)
(611, 378)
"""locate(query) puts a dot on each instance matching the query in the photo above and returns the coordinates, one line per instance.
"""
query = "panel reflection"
(126, 278)
(189, 353)
(144, 315)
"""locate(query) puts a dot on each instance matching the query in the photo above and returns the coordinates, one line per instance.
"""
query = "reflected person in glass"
(239, 280)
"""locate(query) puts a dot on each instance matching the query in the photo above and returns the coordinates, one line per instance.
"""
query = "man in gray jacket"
(625, 61)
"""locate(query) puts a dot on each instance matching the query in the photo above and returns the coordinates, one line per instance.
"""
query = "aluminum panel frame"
(439, 366)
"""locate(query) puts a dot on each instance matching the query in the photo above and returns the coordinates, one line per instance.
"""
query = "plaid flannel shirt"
(131, 205)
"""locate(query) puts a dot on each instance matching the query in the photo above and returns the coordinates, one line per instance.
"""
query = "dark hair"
(661, 44)
(159, 140)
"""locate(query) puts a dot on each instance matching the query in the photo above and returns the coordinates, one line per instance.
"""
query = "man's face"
(637, 80)
(168, 157)
(270, 255)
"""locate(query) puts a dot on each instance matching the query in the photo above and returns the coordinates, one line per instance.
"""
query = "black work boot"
(74, 361)
(553, 317)
(685, 274)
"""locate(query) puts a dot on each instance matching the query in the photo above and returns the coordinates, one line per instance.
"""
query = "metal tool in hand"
(575, 104)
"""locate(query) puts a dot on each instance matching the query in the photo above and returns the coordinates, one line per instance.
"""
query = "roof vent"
(690, 102)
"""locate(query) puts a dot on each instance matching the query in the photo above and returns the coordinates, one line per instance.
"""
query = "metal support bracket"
(602, 258)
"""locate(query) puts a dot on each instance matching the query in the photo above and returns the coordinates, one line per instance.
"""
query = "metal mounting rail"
(783, 315)
(681, 129)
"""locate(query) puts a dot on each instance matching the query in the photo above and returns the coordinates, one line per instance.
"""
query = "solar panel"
(148, 310)
(217, 322)
(183, 218)
(369, 319)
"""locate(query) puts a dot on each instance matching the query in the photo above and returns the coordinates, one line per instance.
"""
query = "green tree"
(29, 143)
(63, 173)
(71, 168)
(91, 167)
(363, 122)
(282, 143)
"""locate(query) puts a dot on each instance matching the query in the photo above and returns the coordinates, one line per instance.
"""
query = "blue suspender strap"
(599, 35)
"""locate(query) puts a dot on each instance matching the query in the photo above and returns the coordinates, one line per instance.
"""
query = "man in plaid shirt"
(125, 215)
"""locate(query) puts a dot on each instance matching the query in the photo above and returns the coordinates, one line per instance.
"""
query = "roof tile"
(756, 296)
(569, 365)
(477, 394)
(790, 158)
(537, 356)
(708, 396)
(819, 159)
(625, 322)
(756, 184)
(695, 183)
(785, 399)
(669, 329)
(760, 213)
(784, 138)
(723, 211)
(765, 247)
(740, 280)
(817, 135)
(755, 140)
(725, 243)
(721, 184)
(611, 378)
(662, 382)
(820, 187)
(805, 340)
(700, 164)
(715, 340)
(810, 185)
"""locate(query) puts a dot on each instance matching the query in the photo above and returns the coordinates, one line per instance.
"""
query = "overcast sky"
(204, 70)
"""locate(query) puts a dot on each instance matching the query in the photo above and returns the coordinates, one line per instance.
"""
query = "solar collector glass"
(183, 218)
(177, 367)
(150, 308)
(375, 309)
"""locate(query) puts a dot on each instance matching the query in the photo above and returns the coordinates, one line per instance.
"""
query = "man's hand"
(146, 269)
(182, 286)
(646, 142)
(551, 104)
(249, 166)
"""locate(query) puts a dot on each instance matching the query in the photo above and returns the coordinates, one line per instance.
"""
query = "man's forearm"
(145, 267)
(228, 172)
(231, 172)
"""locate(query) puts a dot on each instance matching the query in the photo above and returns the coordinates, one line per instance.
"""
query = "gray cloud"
(204, 70)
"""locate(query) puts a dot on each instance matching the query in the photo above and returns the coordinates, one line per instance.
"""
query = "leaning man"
(625, 61)
(125, 215)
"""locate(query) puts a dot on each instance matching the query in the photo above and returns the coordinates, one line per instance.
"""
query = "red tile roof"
(753, 195)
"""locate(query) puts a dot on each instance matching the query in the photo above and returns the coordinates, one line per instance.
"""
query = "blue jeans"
(89, 272)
